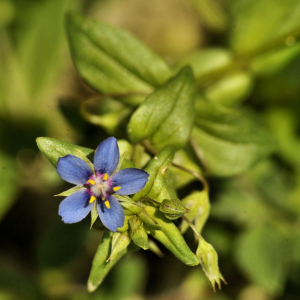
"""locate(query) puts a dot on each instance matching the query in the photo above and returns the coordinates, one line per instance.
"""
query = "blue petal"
(75, 207)
(73, 169)
(107, 156)
(112, 217)
(130, 180)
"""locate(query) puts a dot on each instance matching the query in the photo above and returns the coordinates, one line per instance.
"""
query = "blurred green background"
(245, 54)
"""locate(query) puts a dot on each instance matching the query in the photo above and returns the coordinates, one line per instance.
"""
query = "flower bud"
(173, 208)
(119, 242)
(208, 258)
(138, 233)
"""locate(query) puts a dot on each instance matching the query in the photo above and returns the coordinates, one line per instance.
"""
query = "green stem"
(197, 234)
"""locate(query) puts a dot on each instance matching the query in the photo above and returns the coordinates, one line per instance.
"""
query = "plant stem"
(197, 234)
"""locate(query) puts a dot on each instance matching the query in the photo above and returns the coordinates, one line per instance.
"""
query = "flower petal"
(130, 180)
(75, 207)
(73, 169)
(107, 156)
(112, 217)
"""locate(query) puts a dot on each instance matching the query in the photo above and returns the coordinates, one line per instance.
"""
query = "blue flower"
(98, 185)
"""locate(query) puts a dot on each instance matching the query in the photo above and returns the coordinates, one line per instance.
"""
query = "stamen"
(105, 176)
(92, 199)
(107, 204)
(103, 198)
(92, 182)
(116, 188)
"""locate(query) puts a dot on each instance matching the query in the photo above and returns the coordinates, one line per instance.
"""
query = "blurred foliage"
(245, 57)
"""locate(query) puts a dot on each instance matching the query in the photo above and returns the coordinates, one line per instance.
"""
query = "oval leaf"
(54, 149)
(229, 141)
(167, 115)
(171, 238)
(111, 59)
(101, 266)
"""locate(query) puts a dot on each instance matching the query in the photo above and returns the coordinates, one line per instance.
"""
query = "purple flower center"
(99, 186)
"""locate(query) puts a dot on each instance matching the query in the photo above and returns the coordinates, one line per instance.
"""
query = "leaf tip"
(90, 287)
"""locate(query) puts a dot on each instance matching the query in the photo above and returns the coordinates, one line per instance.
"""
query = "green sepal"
(132, 207)
(71, 191)
(125, 227)
(170, 237)
(208, 258)
(138, 233)
(94, 213)
(128, 204)
(156, 187)
(150, 222)
(100, 265)
(120, 241)
(173, 208)
(199, 206)
(53, 149)
(166, 117)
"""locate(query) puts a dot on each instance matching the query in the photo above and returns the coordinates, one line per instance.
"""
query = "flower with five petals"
(98, 185)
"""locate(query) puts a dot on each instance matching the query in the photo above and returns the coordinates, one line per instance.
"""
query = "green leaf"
(228, 140)
(53, 149)
(186, 158)
(156, 187)
(273, 62)
(120, 241)
(277, 18)
(231, 89)
(167, 115)
(150, 222)
(171, 238)
(41, 45)
(111, 60)
(101, 266)
(107, 113)
(260, 253)
(206, 63)
(199, 206)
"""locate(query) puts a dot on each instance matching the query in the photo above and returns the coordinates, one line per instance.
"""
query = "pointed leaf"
(112, 60)
(170, 237)
(156, 187)
(120, 241)
(100, 266)
(167, 115)
(229, 142)
(54, 149)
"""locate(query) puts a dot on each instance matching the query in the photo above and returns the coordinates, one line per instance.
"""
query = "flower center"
(99, 186)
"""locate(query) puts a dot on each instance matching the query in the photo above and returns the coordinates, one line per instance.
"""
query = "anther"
(92, 199)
